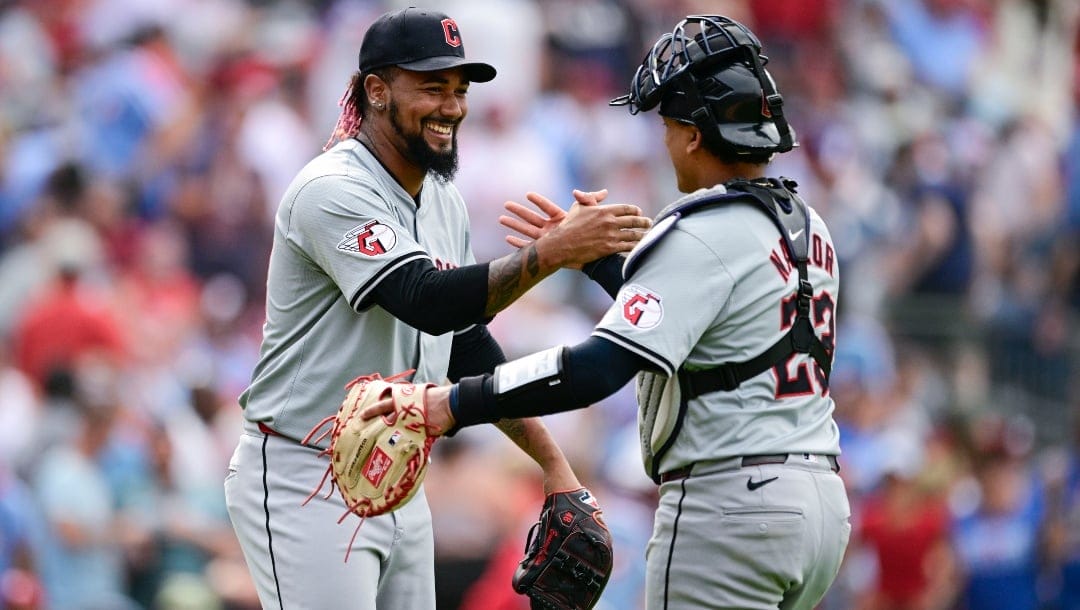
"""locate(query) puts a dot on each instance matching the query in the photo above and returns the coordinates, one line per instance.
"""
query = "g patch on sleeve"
(641, 307)
(372, 238)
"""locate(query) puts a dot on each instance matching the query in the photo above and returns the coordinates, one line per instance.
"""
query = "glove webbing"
(576, 568)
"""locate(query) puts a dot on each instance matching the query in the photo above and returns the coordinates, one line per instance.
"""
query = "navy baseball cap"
(420, 40)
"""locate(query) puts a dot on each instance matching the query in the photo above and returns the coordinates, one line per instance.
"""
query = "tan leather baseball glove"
(376, 465)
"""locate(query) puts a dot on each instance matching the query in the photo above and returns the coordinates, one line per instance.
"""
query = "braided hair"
(354, 106)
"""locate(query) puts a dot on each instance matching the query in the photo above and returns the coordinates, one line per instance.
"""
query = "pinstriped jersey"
(342, 226)
(719, 287)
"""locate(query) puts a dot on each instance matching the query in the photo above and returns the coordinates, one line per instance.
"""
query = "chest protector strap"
(777, 199)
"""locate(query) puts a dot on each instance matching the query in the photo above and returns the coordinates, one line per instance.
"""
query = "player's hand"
(590, 197)
(590, 232)
(533, 225)
(437, 401)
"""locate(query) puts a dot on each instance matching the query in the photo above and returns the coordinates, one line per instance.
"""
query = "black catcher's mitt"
(567, 554)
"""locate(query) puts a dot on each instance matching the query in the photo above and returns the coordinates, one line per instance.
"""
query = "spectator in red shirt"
(65, 324)
(904, 526)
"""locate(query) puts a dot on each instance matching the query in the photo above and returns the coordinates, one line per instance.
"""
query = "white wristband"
(540, 368)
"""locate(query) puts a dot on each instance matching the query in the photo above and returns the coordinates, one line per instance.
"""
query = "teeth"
(440, 128)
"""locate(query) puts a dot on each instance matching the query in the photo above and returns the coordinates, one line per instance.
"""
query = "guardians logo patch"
(372, 238)
(640, 306)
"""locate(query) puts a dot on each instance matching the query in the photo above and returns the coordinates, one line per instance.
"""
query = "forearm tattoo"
(532, 261)
(516, 430)
(510, 277)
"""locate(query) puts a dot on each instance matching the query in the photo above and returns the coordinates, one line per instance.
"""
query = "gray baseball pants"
(296, 554)
(723, 539)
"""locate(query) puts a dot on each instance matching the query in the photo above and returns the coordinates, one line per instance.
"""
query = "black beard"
(443, 164)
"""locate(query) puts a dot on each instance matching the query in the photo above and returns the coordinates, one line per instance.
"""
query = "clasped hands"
(585, 232)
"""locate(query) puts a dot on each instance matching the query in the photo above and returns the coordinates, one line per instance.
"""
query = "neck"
(723, 172)
(407, 174)
(713, 171)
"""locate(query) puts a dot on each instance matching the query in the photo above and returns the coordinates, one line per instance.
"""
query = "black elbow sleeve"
(587, 373)
(474, 352)
(607, 272)
(434, 301)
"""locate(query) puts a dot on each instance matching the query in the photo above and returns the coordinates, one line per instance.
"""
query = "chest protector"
(663, 401)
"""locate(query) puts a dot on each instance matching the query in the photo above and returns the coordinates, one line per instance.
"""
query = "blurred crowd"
(143, 150)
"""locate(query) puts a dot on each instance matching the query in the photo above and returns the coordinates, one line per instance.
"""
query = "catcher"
(726, 312)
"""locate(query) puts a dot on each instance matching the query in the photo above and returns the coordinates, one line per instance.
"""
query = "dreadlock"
(354, 106)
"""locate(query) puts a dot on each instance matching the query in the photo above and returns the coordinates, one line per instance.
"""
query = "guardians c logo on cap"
(420, 40)
(453, 38)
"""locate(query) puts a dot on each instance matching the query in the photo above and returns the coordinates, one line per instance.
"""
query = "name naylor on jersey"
(821, 255)
(641, 307)
(372, 238)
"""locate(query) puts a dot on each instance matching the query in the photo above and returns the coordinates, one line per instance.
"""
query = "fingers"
(641, 223)
(627, 216)
(616, 209)
(546, 205)
(515, 224)
(381, 407)
(529, 223)
(585, 232)
(527, 214)
(590, 197)
(630, 225)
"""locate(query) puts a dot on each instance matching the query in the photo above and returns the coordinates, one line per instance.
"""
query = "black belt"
(745, 462)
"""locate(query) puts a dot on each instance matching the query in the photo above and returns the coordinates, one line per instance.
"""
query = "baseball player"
(371, 271)
(726, 311)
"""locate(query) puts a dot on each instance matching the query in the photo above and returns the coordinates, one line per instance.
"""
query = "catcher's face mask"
(709, 72)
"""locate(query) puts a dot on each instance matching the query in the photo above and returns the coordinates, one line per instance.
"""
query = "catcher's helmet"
(709, 71)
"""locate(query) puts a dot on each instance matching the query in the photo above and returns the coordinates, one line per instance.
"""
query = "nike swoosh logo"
(794, 234)
(752, 485)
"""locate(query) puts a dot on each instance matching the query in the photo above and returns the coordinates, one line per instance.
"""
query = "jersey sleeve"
(669, 301)
(347, 228)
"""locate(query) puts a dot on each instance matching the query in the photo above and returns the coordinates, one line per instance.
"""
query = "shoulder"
(336, 167)
(333, 180)
(688, 220)
(815, 217)
(818, 226)
(696, 200)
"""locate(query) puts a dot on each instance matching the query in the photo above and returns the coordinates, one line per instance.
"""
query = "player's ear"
(696, 140)
(376, 89)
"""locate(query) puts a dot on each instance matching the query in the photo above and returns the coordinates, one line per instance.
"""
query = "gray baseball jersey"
(343, 225)
(703, 296)
(749, 474)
